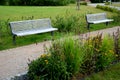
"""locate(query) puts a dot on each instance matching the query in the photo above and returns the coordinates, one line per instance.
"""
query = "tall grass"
(69, 57)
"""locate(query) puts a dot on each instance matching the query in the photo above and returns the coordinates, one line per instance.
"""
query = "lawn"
(112, 73)
(16, 13)
(116, 4)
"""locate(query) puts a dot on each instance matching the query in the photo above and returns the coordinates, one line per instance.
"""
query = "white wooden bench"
(29, 27)
(97, 18)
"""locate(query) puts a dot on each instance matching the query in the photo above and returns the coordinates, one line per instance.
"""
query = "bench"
(97, 18)
(29, 27)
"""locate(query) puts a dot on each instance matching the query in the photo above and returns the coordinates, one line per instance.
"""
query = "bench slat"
(30, 32)
(27, 25)
(101, 21)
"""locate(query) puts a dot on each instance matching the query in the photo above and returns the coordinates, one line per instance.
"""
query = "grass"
(117, 5)
(112, 73)
(16, 13)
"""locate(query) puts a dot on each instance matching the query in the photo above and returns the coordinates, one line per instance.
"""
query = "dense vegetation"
(68, 57)
(100, 1)
(36, 2)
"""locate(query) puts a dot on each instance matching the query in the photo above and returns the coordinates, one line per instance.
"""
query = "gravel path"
(14, 61)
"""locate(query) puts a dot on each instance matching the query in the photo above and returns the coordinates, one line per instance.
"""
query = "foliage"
(67, 23)
(39, 2)
(69, 56)
(48, 67)
(62, 62)
(112, 73)
(107, 8)
(107, 3)
(83, 3)
(98, 55)
(96, 1)
(116, 37)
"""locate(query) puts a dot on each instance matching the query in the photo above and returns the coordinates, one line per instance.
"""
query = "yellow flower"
(43, 55)
(46, 61)
(111, 51)
(116, 55)
(106, 54)
(90, 46)
(48, 54)
(97, 49)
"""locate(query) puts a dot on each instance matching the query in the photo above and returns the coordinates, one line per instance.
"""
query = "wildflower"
(116, 55)
(90, 46)
(43, 55)
(106, 54)
(111, 51)
(46, 61)
(48, 54)
(97, 49)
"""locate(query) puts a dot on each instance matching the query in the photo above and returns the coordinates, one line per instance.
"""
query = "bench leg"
(107, 23)
(14, 40)
(88, 26)
(52, 33)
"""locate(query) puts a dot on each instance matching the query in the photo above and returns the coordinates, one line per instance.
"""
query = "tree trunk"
(78, 4)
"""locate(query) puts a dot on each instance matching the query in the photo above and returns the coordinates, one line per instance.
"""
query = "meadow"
(117, 5)
(17, 13)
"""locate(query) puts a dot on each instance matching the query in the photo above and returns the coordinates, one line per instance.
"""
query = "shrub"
(69, 56)
(64, 61)
(107, 8)
(67, 23)
(48, 67)
(96, 1)
(83, 3)
(98, 55)
(106, 54)
(39, 2)
(107, 3)
(116, 37)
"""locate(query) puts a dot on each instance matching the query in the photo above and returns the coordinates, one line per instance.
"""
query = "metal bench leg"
(14, 40)
(52, 33)
(88, 26)
(107, 23)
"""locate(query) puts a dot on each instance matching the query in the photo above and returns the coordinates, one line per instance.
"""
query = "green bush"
(64, 61)
(106, 54)
(69, 56)
(98, 54)
(39, 2)
(116, 37)
(67, 23)
(83, 3)
(107, 8)
(96, 1)
(48, 67)
(107, 3)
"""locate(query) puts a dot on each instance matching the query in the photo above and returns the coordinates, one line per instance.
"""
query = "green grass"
(112, 73)
(16, 13)
(117, 5)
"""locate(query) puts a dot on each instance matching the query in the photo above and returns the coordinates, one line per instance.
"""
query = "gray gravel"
(14, 61)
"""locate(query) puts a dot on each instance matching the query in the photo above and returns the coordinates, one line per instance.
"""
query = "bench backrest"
(27, 25)
(95, 17)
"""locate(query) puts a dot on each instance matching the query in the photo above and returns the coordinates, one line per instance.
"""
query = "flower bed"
(68, 57)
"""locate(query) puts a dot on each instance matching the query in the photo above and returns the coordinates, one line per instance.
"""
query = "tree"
(78, 4)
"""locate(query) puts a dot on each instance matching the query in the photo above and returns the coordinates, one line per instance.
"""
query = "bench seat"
(101, 21)
(37, 31)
